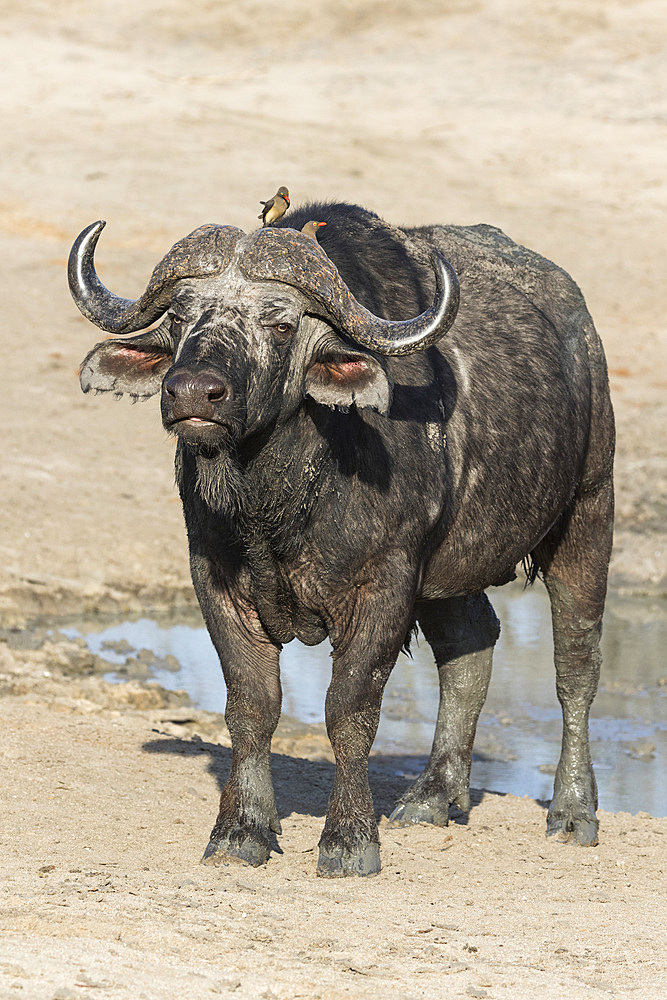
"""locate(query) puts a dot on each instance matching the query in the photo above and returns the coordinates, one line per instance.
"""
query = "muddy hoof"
(407, 813)
(569, 828)
(227, 851)
(428, 807)
(334, 863)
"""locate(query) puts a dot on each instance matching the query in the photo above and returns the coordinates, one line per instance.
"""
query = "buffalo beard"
(218, 477)
(220, 482)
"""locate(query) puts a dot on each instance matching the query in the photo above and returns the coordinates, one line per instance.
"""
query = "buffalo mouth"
(202, 431)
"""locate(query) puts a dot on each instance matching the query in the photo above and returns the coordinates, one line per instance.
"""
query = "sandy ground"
(547, 120)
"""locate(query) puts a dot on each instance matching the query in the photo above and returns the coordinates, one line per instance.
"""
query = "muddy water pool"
(518, 737)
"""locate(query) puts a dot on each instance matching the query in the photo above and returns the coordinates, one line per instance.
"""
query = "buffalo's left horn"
(205, 252)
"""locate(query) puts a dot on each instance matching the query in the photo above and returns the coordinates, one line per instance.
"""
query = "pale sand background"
(547, 120)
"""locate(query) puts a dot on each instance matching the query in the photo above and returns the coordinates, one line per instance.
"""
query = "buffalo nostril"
(175, 385)
(189, 393)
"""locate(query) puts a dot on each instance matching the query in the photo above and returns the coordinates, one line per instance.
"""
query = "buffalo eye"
(175, 320)
(283, 331)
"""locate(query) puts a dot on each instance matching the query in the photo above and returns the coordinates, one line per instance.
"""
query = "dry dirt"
(547, 120)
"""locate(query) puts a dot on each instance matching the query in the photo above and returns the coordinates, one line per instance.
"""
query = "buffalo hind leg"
(462, 632)
(574, 558)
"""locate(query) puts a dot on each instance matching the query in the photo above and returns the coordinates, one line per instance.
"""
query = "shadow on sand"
(302, 785)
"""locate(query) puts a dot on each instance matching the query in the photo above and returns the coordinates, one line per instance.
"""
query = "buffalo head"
(250, 325)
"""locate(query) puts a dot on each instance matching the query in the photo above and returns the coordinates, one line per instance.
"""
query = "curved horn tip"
(446, 269)
(94, 228)
(84, 245)
(400, 337)
(92, 298)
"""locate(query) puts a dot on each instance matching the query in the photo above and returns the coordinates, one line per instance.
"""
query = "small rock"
(602, 984)
(120, 646)
(359, 970)
(246, 888)
(146, 656)
(10, 969)
(451, 967)
(98, 984)
(641, 749)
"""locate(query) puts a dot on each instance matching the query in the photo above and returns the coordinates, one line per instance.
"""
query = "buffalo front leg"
(462, 632)
(250, 664)
(248, 813)
(350, 844)
(574, 561)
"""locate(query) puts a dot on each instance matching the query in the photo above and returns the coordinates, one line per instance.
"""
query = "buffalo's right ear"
(135, 366)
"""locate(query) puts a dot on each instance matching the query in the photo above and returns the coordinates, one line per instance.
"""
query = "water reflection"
(518, 739)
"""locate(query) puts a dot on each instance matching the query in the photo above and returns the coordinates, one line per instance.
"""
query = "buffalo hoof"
(431, 808)
(334, 863)
(227, 850)
(407, 813)
(569, 828)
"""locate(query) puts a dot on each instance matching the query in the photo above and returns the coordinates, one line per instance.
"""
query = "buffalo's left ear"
(345, 378)
(135, 366)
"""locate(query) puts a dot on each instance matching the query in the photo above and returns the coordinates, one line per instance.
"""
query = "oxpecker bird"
(275, 207)
(310, 228)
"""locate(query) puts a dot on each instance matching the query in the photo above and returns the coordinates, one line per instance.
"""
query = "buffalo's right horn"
(205, 252)
(287, 255)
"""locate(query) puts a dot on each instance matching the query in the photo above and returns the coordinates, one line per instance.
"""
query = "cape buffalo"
(358, 453)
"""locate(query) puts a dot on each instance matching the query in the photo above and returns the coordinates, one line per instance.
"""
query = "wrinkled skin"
(331, 491)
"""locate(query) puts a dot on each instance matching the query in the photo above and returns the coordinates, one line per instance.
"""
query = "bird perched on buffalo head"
(275, 207)
(310, 228)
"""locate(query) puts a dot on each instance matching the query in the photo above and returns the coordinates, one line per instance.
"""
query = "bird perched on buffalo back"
(275, 207)
(310, 228)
